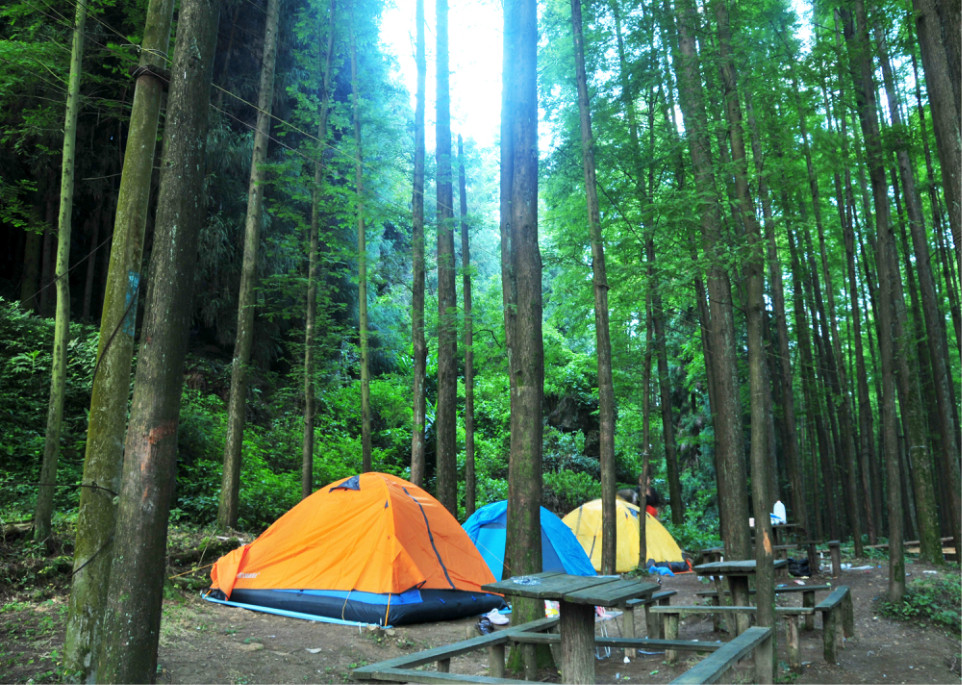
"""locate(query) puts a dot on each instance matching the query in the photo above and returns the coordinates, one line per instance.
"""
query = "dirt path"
(207, 643)
(202, 642)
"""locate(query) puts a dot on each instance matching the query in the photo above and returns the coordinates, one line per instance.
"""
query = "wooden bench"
(836, 609)
(403, 669)
(714, 667)
(808, 597)
(652, 623)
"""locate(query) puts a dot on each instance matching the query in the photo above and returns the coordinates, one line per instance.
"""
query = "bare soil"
(208, 643)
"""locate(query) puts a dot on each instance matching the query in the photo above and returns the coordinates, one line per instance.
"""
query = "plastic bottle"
(778, 512)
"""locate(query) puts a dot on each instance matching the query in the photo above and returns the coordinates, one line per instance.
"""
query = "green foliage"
(936, 599)
(565, 490)
(26, 342)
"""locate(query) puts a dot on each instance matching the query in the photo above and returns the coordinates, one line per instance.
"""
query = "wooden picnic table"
(577, 597)
(738, 574)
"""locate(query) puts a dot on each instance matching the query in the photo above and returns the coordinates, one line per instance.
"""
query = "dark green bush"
(936, 599)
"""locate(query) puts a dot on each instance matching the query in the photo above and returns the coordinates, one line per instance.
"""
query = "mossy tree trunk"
(131, 631)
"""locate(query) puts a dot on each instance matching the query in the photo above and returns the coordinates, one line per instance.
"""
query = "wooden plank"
(411, 675)
(546, 585)
(611, 594)
(778, 590)
(714, 667)
(458, 648)
(623, 642)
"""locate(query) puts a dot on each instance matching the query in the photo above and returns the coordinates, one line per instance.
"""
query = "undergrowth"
(936, 600)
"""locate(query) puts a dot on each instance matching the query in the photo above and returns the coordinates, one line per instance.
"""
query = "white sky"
(474, 38)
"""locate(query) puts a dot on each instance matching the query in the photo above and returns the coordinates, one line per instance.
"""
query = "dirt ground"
(208, 643)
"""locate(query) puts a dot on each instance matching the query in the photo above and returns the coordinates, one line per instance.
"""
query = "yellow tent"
(585, 522)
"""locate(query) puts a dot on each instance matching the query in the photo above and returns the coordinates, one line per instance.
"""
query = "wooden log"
(577, 643)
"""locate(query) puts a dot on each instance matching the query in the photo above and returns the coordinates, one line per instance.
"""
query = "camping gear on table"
(372, 548)
(560, 549)
(663, 551)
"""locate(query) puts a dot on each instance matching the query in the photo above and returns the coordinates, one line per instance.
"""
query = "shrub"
(935, 600)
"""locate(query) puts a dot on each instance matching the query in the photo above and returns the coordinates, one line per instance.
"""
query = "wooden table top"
(728, 568)
(599, 590)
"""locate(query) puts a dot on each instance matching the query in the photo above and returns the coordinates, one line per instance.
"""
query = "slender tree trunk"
(43, 512)
(521, 274)
(469, 476)
(788, 429)
(657, 312)
(128, 651)
(240, 371)
(937, 26)
(92, 227)
(446, 414)
(606, 392)
(310, 317)
(361, 258)
(730, 464)
(888, 281)
(761, 463)
(948, 455)
(417, 247)
(110, 394)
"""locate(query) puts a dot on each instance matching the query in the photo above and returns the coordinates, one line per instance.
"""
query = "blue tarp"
(560, 549)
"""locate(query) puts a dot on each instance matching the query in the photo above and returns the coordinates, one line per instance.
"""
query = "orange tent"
(372, 548)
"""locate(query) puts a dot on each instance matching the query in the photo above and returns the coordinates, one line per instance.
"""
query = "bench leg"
(653, 624)
(670, 629)
(765, 660)
(496, 661)
(848, 616)
(628, 628)
(577, 643)
(830, 635)
(444, 665)
(808, 601)
(794, 651)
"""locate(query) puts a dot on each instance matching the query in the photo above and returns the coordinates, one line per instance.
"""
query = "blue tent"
(560, 549)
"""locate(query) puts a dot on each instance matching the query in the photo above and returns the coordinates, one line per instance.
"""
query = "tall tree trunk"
(110, 394)
(417, 247)
(469, 476)
(888, 282)
(446, 413)
(43, 512)
(361, 256)
(935, 333)
(92, 227)
(761, 461)
(657, 312)
(937, 25)
(606, 391)
(131, 631)
(730, 464)
(787, 423)
(240, 371)
(310, 317)
(521, 275)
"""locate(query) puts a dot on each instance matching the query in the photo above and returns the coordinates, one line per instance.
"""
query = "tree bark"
(466, 268)
(730, 464)
(417, 247)
(937, 26)
(239, 374)
(310, 316)
(446, 412)
(110, 394)
(43, 512)
(935, 333)
(606, 391)
(361, 257)
(888, 282)
(131, 629)
(521, 272)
